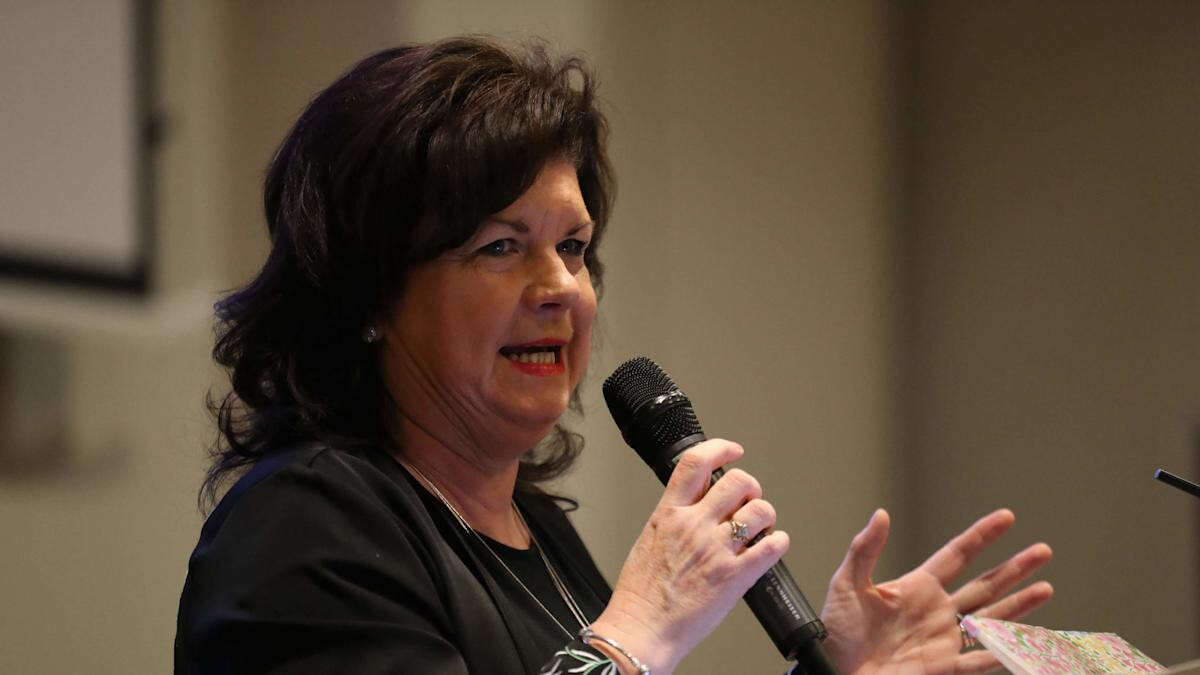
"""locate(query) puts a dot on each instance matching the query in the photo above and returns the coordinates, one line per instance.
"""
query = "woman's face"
(489, 340)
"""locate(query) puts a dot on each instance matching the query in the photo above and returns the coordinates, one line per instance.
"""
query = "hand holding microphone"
(657, 420)
(686, 571)
(690, 563)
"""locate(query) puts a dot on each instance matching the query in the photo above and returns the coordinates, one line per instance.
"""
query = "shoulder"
(306, 526)
(313, 501)
(320, 542)
(302, 465)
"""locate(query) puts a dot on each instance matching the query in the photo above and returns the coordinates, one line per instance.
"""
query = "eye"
(498, 248)
(572, 247)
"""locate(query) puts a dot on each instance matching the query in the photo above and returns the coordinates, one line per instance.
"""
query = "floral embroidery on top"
(577, 659)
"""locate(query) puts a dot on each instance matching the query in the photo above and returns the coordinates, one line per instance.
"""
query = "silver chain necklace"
(563, 591)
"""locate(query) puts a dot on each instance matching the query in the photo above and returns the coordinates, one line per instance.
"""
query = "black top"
(528, 566)
(322, 560)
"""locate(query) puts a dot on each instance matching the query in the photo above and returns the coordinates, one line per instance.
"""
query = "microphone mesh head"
(635, 393)
(632, 385)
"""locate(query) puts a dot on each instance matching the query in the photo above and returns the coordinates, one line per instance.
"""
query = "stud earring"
(371, 334)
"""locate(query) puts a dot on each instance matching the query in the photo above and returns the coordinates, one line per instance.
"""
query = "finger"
(757, 559)
(757, 514)
(690, 479)
(1017, 605)
(997, 581)
(729, 493)
(951, 559)
(977, 661)
(864, 552)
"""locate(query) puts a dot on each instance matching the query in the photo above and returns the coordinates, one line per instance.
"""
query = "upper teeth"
(533, 357)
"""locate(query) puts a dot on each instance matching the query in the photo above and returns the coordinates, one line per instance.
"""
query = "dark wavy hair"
(398, 161)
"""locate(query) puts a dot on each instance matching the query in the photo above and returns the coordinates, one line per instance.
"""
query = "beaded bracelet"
(586, 633)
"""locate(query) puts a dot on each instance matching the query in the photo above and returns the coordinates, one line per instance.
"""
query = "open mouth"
(534, 354)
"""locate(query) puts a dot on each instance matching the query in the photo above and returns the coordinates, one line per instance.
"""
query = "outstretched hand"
(909, 624)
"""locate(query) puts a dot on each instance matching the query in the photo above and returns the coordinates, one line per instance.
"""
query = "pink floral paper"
(1041, 651)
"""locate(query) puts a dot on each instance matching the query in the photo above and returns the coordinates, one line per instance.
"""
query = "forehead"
(553, 198)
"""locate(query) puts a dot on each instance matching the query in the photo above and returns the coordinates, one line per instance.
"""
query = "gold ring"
(968, 642)
(739, 531)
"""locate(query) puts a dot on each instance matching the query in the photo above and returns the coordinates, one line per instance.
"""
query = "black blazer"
(327, 561)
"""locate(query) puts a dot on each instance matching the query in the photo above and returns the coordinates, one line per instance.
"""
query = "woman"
(399, 366)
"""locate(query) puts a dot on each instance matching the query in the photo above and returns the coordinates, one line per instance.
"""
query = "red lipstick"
(542, 369)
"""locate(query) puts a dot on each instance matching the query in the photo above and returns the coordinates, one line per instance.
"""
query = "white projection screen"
(75, 186)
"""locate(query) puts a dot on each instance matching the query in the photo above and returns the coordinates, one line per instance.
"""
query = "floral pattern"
(1033, 649)
(577, 658)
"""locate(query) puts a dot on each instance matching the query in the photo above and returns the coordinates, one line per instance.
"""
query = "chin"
(540, 416)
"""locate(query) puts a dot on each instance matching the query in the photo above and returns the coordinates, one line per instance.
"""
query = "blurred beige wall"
(1055, 297)
(782, 245)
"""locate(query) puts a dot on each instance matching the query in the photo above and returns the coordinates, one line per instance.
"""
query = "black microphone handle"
(775, 599)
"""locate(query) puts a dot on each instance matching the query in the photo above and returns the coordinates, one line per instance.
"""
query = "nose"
(552, 284)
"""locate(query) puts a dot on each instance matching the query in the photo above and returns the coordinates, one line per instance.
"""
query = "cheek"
(584, 314)
(480, 308)
(455, 321)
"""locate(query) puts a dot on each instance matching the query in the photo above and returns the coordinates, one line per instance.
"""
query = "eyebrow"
(521, 227)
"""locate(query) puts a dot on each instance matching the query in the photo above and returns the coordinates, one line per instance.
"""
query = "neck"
(481, 490)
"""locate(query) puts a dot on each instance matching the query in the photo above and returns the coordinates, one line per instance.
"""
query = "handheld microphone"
(656, 420)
